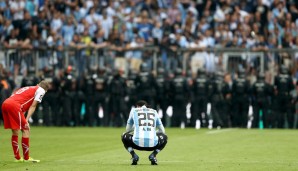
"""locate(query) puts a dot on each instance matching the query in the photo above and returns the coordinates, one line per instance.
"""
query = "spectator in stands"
(68, 30)
(118, 45)
(134, 55)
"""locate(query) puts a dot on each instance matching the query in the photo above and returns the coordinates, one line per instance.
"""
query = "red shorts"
(13, 117)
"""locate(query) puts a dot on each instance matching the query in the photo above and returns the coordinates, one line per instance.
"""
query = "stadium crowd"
(114, 32)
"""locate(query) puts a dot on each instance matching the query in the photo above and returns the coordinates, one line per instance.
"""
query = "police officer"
(132, 96)
(117, 90)
(161, 86)
(227, 95)
(70, 102)
(100, 94)
(30, 79)
(87, 98)
(200, 97)
(262, 92)
(217, 100)
(240, 94)
(51, 102)
(145, 85)
(179, 94)
(109, 75)
(283, 86)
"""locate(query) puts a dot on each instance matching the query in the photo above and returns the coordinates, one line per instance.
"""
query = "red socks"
(15, 146)
(25, 145)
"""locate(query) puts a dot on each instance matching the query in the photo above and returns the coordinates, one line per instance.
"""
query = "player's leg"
(25, 128)
(25, 143)
(11, 119)
(26, 146)
(129, 146)
(15, 145)
(162, 142)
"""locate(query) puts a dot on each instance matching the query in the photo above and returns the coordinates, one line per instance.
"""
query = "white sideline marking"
(189, 161)
(219, 131)
(175, 161)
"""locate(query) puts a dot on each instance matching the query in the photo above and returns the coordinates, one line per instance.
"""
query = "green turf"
(84, 149)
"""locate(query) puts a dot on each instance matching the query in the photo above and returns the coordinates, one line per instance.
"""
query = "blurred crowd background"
(100, 56)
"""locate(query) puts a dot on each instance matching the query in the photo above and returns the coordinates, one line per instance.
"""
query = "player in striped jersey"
(143, 121)
(13, 110)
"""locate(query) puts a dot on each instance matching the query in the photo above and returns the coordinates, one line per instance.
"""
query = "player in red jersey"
(13, 110)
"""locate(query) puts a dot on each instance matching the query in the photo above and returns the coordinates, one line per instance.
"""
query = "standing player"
(144, 121)
(13, 111)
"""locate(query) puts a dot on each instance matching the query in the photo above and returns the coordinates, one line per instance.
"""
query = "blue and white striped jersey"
(145, 121)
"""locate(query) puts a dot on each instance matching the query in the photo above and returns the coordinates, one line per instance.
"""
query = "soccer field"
(84, 149)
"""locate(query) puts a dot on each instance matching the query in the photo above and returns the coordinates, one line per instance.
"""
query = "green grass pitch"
(84, 149)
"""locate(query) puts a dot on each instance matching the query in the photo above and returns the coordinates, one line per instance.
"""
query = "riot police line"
(104, 97)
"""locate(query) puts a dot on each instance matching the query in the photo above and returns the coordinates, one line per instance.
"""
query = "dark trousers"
(128, 142)
(240, 112)
(199, 106)
(161, 103)
(117, 112)
(284, 115)
(217, 112)
(179, 112)
(100, 101)
(261, 106)
(71, 110)
(51, 113)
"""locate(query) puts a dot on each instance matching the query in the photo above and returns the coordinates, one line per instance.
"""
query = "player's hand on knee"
(27, 126)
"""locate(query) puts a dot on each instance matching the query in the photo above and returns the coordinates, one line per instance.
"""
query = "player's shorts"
(128, 142)
(13, 117)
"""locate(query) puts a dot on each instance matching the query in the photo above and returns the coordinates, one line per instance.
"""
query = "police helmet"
(160, 71)
(283, 69)
(178, 71)
(144, 67)
(200, 71)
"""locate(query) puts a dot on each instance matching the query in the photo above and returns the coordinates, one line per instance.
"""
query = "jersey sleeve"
(158, 121)
(40, 92)
(130, 120)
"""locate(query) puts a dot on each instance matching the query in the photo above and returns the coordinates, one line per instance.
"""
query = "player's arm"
(37, 99)
(129, 128)
(159, 125)
(130, 122)
(31, 109)
(161, 129)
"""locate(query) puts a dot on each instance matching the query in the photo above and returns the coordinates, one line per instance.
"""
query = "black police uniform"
(227, 111)
(100, 94)
(200, 93)
(283, 85)
(70, 101)
(161, 100)
(179, 94)
(51, 102)
(217, 100)
(131, 90)
(240, 95)
(117, 90)
(87, 98)
(145, 86)
(261, 94)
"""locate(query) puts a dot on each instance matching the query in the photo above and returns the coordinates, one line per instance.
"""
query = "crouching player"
(13, 109)
(143, 121)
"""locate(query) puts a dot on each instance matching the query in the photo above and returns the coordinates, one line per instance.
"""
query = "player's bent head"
(44, 84)
(141, 103)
